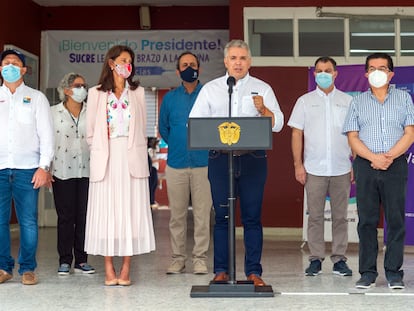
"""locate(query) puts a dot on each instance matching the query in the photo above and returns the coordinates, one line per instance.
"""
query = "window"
(271, 37)
(371, 36)
(295, 36)
(407, 37)
(321, 37)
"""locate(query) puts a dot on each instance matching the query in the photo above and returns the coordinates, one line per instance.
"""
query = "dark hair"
(106, 80)
(187, 53)
(326, 59)
(380, 55)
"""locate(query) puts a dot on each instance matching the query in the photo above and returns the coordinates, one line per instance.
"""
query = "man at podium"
(251, 97)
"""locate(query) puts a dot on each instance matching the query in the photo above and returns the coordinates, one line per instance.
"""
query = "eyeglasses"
(79, 85)
(382, 68)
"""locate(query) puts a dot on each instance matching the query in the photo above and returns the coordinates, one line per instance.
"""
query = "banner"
(351, 79)
(156, 54)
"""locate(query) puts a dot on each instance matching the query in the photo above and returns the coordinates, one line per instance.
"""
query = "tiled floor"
(283, 263)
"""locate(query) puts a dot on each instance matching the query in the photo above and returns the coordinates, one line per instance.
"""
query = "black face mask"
(189, 74)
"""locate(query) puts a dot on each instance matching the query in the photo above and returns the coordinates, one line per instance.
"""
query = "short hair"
(187, 53)
(326, 59)
(380, 55)
(237, 43)
(66, 83)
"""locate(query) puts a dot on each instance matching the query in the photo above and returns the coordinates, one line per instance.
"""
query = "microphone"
(231, 81)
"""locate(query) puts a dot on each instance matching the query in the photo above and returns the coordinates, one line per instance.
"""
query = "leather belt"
(237, 153)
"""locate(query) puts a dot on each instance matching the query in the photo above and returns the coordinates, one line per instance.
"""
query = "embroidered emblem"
(229, 133)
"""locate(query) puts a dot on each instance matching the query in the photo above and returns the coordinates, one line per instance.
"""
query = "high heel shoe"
(111, 282)
(124, 282)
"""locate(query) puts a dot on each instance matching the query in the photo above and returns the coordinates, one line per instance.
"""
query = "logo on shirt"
(229, 133)
(27, 100)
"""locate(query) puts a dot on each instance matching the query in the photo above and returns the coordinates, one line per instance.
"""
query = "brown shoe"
(4, 276)
(29, 278)
(221, 277)
(257, 280)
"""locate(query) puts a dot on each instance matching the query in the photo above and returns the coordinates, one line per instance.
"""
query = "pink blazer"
(97, 134)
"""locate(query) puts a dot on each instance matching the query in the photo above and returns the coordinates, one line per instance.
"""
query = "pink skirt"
(119, 220)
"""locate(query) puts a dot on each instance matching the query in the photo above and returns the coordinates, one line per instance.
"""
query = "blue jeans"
(16, 184)
(250, 172)
(386, 188)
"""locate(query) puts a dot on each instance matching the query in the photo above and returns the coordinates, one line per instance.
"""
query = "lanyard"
(76, 122)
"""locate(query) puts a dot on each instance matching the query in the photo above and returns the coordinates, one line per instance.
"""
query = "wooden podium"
(230, 134)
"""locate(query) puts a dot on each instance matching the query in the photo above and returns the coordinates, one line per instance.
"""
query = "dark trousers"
(153, 183)
(375, 188)
(250, 172)
(71, 200)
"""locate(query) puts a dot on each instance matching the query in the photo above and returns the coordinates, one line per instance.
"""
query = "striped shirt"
(380, 125)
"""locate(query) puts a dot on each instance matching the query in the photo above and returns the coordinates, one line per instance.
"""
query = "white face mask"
(79, 94)
(378, 78)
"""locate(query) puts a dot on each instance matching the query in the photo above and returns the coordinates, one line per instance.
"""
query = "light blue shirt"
(380, 125)
(213, 100)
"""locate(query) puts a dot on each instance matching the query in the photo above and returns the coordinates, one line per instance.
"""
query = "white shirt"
(213, 100)
(321, 118)
(26, 126)
(71, 158)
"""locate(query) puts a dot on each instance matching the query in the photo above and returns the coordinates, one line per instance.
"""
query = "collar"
(184, 90)
(323, 94)
(241, 81)
(6, 89)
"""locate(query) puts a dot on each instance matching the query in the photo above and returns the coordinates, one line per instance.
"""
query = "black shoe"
(365, 282)
(396, 284)
(341, 268)
(314, 268)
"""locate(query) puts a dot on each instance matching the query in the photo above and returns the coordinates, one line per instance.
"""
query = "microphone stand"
(231, 208)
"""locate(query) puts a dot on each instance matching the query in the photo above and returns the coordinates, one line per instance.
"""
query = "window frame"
(346, 13)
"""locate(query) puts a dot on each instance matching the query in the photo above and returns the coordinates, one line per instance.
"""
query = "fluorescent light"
(373, 34)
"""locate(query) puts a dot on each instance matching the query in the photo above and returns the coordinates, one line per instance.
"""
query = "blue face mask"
(323, 80)
(189, 74)
(11, 73)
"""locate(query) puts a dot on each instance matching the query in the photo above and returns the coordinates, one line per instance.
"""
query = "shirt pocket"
(248, 108)
(25, 114)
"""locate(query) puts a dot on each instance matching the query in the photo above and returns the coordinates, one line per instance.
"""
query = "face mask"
(378, 78)
(11, 73)
(79, 94)
(189, 74)
(123, 70)
(323, 80)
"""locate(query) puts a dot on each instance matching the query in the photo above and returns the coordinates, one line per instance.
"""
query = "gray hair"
(236, 44)
(66, 83)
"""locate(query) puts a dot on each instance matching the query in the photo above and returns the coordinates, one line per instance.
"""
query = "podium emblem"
(229, 133)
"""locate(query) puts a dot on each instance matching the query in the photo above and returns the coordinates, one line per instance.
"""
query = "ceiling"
(131, 2)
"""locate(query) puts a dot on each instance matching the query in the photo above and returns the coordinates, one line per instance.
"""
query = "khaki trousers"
(338, 187)
(183, 184)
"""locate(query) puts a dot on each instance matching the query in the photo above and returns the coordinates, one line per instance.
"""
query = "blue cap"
(14, 52)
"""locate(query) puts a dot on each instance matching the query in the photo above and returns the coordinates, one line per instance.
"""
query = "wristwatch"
(45, 167)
